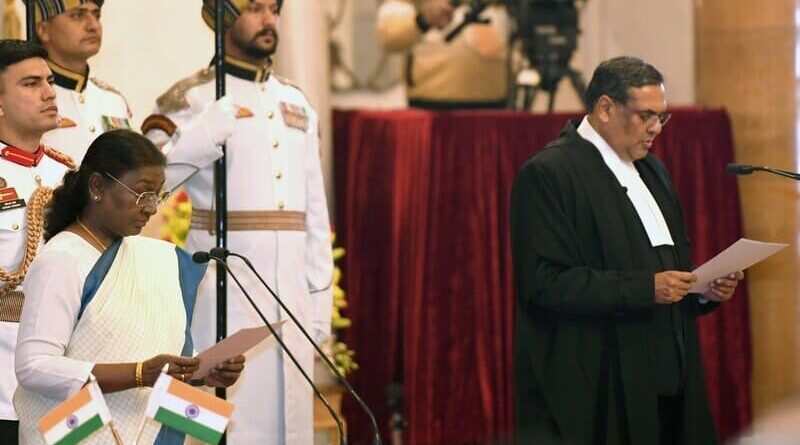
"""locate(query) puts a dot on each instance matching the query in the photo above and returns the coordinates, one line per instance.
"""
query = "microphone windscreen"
(201, 257)
(738, 169)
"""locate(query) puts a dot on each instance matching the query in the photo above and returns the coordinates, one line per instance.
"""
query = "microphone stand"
(779, 172)
(744, 169)
(342, 438)
(322, 355)
(220, 200)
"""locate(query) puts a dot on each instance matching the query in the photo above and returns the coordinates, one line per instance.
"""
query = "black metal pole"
(30, 21)
(221, 186)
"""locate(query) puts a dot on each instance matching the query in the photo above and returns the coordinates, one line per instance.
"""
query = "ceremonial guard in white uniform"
(28, 172)
(26, 180)
(71, 32)
(277, 214)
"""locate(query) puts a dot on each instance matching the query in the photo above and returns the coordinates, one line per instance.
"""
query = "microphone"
(322, 355)
(201, 257)
(739, 169)
(219, 253)
(204, 257)
(743, 169)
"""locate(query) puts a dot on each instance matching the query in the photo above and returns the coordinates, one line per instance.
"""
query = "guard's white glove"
(320, 331)
(219, 120)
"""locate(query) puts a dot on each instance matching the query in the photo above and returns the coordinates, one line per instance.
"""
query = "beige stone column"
(303, 56)
(745, 62)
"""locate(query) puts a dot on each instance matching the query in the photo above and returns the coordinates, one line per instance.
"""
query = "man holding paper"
(607, 348)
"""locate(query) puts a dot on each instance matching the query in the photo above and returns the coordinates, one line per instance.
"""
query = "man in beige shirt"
(470, 71)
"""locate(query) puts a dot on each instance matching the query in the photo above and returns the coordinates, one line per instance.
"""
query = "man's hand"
(437, 13)
(673, 285)
(722, 288)
(225, 374)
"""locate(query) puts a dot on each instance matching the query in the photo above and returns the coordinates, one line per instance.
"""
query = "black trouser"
(9, 432)
(670, 420)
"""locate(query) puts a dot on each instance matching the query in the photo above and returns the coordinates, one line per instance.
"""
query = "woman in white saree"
(102, 300)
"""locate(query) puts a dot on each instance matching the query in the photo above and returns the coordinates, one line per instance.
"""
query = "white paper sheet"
(234, 345)
(739, 256)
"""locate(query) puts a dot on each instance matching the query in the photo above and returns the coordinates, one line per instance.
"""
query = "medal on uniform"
(65, 122)
(243, 112)
(294, 116)
(116, 123)
(9, 199)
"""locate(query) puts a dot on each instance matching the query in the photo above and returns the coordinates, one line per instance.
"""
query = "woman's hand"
(180, 368)
(225, 374)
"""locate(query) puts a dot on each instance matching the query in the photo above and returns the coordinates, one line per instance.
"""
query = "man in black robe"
(606, 343)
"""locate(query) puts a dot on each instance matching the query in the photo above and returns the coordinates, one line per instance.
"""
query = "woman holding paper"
(101, 300)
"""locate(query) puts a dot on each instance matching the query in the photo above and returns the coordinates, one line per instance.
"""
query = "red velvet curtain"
(423, 208)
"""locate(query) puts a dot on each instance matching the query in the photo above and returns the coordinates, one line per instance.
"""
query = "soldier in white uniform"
(277, 213)
(71, 32)
(28, 170)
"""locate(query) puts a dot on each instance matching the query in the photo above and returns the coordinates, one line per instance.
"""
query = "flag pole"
(164, 370)
(114, 431)
(140, 430)
(111, 424)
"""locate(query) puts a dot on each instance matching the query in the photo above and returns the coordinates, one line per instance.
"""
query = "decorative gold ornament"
(35, 221)
(12, 26)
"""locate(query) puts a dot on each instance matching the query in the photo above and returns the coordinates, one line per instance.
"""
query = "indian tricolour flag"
(188, 409)
(77, 418)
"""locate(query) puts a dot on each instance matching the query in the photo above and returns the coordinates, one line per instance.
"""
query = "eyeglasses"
(649, 118)
(144, 199)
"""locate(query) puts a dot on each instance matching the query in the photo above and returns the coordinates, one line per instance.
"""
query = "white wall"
(150, 44)
(659, 31)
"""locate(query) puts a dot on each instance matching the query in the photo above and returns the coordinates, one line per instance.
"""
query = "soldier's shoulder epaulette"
(286, 81)
(290, 83)
(103, 85)
(61, 158)
(174, 99)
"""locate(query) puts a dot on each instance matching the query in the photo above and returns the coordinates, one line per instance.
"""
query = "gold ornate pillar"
(745, 62)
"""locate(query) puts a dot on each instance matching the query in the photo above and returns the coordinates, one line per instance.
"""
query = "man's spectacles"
(649, 118)
(144, 199)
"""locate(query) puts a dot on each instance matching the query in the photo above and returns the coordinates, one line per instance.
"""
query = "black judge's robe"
(584, 306)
